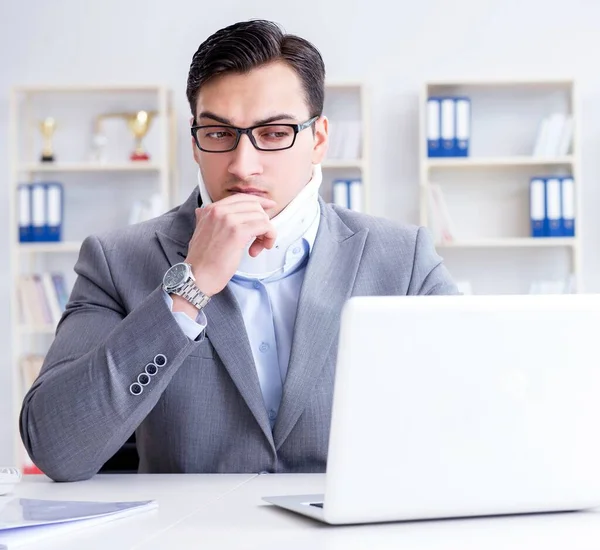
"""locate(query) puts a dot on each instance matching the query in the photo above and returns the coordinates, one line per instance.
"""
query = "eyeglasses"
(265, 137)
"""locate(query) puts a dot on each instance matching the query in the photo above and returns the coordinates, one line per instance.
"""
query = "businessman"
(211, 331)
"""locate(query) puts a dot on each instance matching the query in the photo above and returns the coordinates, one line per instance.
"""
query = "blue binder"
(537, 207)
(462, 126)
(448, 126)
(38, 211)
(25, 225)
(54, 212)
(433, 123)
(567, 191)
(341, 193)
(553, 207)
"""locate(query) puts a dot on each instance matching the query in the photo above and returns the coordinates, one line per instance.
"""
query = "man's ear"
(321, 140)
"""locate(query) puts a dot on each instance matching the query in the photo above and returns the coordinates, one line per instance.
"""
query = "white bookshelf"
(519, 242)
(84, 181)
(49, 248)
(139, 166)
(505, 116)
(498, 162)
(348, 100)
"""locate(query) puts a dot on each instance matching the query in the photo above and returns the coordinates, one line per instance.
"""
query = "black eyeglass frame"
(248, 131)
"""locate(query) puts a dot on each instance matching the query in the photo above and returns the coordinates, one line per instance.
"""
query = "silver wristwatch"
(180, 280)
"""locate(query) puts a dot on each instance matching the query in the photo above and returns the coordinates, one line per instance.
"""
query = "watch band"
(193, 294)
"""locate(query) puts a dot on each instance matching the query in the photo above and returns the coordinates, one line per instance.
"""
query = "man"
(212, 332)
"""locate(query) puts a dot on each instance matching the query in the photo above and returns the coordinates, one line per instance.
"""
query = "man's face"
(272, 92)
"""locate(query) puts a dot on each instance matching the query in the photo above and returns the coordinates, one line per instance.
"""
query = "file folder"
(537, 207)
(54, 211)
(38, 211)
(341, 193)
(463, 126)
(553, 207)
(568, 206)
(433, 127)
(448, 126)
(25, 225)
(355, 194)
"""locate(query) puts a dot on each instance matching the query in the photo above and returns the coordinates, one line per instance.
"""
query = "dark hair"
(249, 44)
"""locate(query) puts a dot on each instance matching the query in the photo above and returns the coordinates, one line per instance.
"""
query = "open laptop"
(458, 406)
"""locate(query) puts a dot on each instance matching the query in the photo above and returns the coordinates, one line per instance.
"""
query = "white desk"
(227, 512)
(242, 520)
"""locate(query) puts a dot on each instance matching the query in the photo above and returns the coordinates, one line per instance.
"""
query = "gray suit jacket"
(203, 411)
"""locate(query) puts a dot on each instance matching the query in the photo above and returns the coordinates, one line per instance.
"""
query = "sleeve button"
(160, 360)
(136, 389)
(151, 369)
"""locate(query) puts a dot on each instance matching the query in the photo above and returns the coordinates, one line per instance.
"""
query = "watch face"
(176, 276)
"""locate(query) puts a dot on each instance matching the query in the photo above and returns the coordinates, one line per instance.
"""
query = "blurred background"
(479, 119)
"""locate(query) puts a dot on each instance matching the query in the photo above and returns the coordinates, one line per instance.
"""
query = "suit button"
(143, 379)
(160, 360)
(151, 369)
(136, 389)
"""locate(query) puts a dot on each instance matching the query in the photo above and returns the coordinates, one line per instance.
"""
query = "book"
(441, 224)
(554, 136)
(42, 298)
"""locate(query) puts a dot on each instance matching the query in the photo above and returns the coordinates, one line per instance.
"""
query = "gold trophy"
(47, 127)
(139, 124)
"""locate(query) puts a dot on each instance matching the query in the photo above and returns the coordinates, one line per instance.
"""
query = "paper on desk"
(26, 520)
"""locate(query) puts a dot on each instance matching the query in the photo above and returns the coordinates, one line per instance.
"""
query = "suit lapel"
(225, 330)
(227, 333)
(328, 283)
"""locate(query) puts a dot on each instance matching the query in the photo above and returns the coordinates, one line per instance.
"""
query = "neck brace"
(291, 223)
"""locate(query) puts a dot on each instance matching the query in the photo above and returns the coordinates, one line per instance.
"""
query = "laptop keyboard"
(317, 504)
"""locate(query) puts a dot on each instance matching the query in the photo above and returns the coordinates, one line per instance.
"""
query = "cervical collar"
(291, 223)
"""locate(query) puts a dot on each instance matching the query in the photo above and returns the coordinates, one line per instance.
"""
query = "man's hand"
(223, 230)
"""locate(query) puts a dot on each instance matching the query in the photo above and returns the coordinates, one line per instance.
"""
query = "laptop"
(462, 406)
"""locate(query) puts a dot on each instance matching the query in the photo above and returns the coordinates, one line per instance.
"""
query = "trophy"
(139, 123)
(47, 127)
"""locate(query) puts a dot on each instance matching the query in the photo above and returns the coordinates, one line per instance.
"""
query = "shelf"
(49, 247)
(37, 329)
(102, 88)
(343, 84)
(497, 82)
(497, 162)
(138, 166)
(343, 163)
(527, 242)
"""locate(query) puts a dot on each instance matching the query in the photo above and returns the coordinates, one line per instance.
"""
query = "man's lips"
(248, 191)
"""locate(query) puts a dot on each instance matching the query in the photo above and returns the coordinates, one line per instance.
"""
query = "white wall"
(393, 48)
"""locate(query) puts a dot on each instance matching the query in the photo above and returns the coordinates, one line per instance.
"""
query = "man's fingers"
(265, 237)
(261, 228)
(247, 197)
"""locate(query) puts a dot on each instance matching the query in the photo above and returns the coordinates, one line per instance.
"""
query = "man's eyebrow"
(267, 120)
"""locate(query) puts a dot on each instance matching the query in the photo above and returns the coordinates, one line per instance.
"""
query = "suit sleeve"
(86, 402)
(429, 274)
(192, 328)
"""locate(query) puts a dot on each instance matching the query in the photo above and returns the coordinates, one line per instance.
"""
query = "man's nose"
(246, 159)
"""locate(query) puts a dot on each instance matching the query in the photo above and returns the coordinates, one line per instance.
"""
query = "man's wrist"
(199, 279)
